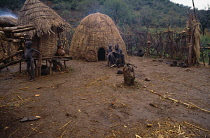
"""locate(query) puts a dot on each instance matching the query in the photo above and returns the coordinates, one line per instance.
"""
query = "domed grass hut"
(48, 26)
(92, 37)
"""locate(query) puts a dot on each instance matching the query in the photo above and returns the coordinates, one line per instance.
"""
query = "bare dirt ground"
(90, 100)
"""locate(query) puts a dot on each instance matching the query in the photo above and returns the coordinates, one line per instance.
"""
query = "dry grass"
(164, 128)
(41, 16)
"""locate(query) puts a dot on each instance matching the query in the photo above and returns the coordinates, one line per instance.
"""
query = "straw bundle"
(194, 46)
(196, 27)
(95, 31)
(42, 17)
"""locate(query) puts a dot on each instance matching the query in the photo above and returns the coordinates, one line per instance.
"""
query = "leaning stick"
(198, 107)
(10, 63)
(191, 105)
(13, 133)
(34, 129)
(62, 134)
(65, 124)
(197, 127)
(176, 101)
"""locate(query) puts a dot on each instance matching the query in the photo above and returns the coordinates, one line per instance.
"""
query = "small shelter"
(48, 25)
(92, 37)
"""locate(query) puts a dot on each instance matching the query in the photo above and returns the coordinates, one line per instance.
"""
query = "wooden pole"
(20, 67)
(39, 62)
(10, 63)
(203, 58)
(194, 9)
(9, 57)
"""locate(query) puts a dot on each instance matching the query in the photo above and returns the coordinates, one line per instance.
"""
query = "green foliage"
(204, 18)
(65, 14)
(138, 14)
(118, 10)
(63, 5)
(11, 4)
(205, 39)
(89, 6)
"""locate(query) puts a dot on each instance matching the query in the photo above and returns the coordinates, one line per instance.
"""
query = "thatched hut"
(48, 25)
(92, 37)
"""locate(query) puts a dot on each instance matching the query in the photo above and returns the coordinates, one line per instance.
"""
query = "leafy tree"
(118, 10)
(204, 17)
(135, 13)
(89, 6)
(11, 4)
(63, 6)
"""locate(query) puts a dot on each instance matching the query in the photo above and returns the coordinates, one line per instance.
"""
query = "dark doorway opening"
(101, 54)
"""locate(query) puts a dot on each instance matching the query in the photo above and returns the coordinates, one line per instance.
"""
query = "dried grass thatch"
(48, 25)
(96, 31)
(7, 21)
(194, 44)
(42, 17)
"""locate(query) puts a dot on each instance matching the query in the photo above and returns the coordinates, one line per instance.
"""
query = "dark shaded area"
(101, 54)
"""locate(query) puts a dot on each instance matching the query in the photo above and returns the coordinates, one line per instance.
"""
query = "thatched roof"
(42, 17)
(94, 32)
(7, 21)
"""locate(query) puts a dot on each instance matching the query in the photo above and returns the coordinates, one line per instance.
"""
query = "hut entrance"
(101, 54)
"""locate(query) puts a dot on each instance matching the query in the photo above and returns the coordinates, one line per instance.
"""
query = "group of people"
(115, 56)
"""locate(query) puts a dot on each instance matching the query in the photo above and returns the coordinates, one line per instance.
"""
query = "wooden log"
(23, 30)
(13, 40)
(18, 28)
(205, 47)
(24, 26)
(10, 63)
(39, 62)
(9, 29)
(4, 59)
(18, 35)
(1, 32)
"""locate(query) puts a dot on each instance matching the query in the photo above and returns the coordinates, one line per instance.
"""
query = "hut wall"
(48, 44)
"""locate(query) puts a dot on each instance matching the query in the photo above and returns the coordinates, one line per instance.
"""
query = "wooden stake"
(39, 64)
(194, 9)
